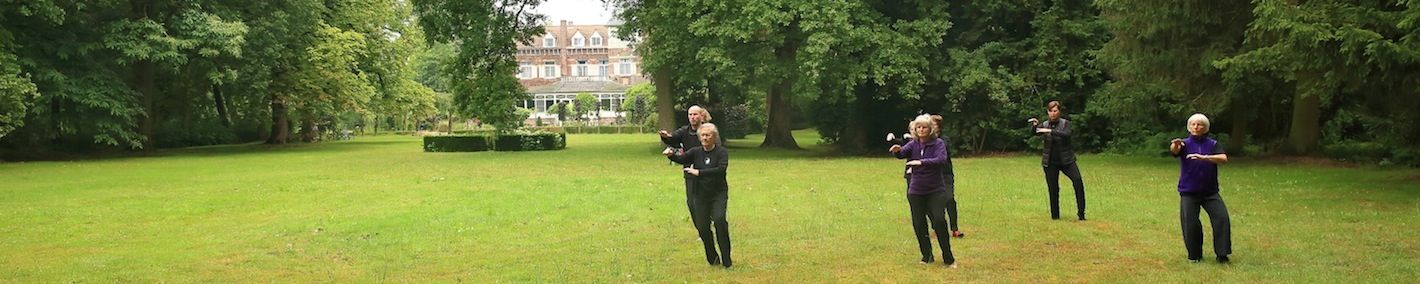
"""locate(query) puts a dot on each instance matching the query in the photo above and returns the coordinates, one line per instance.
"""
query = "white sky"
(580, 12)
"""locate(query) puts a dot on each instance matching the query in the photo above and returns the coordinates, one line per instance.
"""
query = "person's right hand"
(895, 148)
(1177, 142)
(891, 137)
(667, 152)
(664, 134)
(1033, 121)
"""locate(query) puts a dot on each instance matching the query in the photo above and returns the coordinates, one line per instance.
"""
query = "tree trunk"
(144, 81)
(778, 132)
(665, 103)
(280, 121)
(1241, 121)
(221, 103)
(309, 132)
(1306, 117)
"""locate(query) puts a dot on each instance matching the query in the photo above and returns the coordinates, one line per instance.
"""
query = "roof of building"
(579, 87)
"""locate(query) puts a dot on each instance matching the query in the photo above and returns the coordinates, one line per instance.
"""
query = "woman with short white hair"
(1199, 157)
(706, 166)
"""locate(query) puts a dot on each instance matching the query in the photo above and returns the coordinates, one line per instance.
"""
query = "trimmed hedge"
(606, 129)
(531, 142)
(457, 143)
(507, 142)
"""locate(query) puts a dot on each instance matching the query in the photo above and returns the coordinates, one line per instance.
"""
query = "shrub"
(457, 143)
(1357, 151)
(197, 132)
(531, 141)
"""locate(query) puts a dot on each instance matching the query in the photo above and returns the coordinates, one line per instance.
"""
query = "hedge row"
(612, 129)
(506, 142)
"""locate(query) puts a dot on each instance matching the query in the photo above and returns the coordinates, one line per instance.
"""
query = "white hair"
(711, 128)
(1199, 117)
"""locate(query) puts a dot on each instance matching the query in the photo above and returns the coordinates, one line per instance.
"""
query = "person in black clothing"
(684, 138)
(1058, 157)
(707, 164)
(947, 175)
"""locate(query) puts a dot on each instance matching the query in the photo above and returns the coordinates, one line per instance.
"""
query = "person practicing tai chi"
(1058, 157)
(684, 138)
(1199, 157)
(706, 166)
(927, 160)
(947, 175)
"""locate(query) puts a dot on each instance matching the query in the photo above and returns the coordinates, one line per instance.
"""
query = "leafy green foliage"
(639, 105)
(16, 94)
(485, 34)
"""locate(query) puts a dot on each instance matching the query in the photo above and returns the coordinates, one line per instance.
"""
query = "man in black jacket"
(706, 166)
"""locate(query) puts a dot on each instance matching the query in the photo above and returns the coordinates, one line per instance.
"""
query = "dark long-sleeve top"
(931, 176)
(1198, 177)
(1057, 143)
(712, 164)
(686, 137)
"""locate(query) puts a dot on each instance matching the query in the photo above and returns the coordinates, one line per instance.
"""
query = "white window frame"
(578, 40)
(525, 70)
(596, 40)
(603, 69)
(549, 41)
(626, 66)
(549, 69)
(581, 68)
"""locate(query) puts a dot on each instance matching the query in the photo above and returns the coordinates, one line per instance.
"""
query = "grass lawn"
(609, 208)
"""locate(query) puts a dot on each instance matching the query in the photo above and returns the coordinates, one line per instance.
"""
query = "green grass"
(610, 209)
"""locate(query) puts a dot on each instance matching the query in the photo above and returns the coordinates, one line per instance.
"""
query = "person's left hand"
(1043, 130)
(914, 163)
(1196, 157)
(692, 171)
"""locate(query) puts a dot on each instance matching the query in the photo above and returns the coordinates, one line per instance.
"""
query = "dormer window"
(549, 41)
(578, 40)
(596, 40)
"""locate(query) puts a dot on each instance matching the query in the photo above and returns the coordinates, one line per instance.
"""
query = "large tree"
(1327, 49)
(486, 34)
(789, 51)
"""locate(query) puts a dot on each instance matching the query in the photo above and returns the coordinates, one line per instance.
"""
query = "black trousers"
(1188, 207)
(951, 209)
(690, 198)
(931, 207)
(1052, 183)
(708, 213)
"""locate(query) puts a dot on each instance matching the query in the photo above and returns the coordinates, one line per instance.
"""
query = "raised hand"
(664, 134)
(895, 148)
(1033, 121)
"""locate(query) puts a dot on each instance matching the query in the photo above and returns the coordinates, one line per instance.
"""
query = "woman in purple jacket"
(1199, 157)
(927, 159)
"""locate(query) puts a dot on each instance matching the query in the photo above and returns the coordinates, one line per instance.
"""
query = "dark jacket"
(934, 173)
(687, 137)
(1057, 142)
(712, 165)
